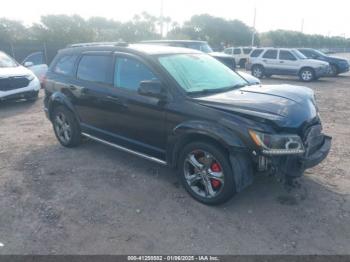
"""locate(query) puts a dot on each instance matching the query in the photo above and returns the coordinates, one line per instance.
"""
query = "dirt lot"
(97, 200)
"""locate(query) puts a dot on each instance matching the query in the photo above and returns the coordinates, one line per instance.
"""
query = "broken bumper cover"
(294, 165)
(319, 155)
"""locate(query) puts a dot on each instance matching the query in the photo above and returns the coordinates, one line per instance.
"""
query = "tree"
(12, 31)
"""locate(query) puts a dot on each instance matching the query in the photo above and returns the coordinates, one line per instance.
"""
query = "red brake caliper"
(215, 167)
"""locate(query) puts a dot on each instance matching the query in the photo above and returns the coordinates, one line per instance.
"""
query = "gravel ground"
(96, 200)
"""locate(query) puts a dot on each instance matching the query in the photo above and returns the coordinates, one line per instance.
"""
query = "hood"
(317, 62)
(14, 71)
(220, 55)
(287, 105)
(335, 59)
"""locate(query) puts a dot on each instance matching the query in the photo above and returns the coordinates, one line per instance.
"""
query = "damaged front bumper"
(293, 166)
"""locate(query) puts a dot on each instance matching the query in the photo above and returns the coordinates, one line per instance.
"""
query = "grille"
(313, 139)
(12, 83)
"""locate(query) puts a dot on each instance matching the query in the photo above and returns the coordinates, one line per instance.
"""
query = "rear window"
(247, 50)
(65, 65)
(228, 51)
(237, 51)
(270, 54)
(95, 68)
(256, 52)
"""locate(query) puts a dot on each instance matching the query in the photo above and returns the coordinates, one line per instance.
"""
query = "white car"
(241, 54)
(284, 61)
(16, 81)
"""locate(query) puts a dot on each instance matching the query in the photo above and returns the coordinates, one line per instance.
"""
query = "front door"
(142, 121)
(289, 64)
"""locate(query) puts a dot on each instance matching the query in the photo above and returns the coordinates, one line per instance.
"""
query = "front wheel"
(333, 70)
(33, 97)
(206, 173)
(258, 71)
(307, 75)
(66, 127)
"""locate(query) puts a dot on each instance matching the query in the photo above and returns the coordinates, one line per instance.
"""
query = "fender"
(190, 129)
(58, 98)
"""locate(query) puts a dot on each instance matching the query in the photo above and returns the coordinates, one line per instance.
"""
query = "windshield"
(319, 53)
(298, 54)
(200, 73)
(6, 61)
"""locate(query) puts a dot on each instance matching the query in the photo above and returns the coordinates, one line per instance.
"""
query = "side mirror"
(152, 88)
(28, 64)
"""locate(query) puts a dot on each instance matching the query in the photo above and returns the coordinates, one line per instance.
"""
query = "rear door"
(270, 62)
(91, 89)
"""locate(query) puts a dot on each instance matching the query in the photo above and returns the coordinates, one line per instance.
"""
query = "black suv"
(182, 108)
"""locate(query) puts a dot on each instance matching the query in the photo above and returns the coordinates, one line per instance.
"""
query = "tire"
(198, 183)
(242, 63)
(66, 127)
(33, 98)
(333, 71)
(307, 74)
(258, 71)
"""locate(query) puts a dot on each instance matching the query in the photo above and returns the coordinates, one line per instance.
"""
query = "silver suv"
(282, 61)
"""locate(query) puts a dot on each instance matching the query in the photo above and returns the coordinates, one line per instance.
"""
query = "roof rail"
(120, 43)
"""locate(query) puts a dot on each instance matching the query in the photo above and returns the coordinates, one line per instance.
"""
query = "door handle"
(116, 100)
(264, 60)
(281, 62)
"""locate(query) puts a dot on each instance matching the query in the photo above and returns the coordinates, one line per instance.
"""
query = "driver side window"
(129, 72)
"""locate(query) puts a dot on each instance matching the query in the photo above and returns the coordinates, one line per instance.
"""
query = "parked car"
(337, 65)
(36, 62)
(182, 108)
(283, 61)
(204, 47)
(197, 45)
(16, 81)
(240, 54)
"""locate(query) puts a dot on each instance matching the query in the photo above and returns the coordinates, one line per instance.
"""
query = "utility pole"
(161, 17)
(302, 26)
(253, 34)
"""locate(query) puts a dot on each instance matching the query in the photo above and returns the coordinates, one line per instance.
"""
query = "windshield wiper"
(218, 90)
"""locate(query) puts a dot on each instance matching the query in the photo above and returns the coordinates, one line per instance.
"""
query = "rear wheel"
(206, 173)
(242, 63)
(258, 71)
(66, 127)
(307, 74)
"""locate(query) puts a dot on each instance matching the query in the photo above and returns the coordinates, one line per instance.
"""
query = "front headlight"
(277, 144)
(30, 77)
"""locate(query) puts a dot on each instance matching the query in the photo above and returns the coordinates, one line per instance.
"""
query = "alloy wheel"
(306, 75)
(63, 128)
(203, 174)
(257, 72)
